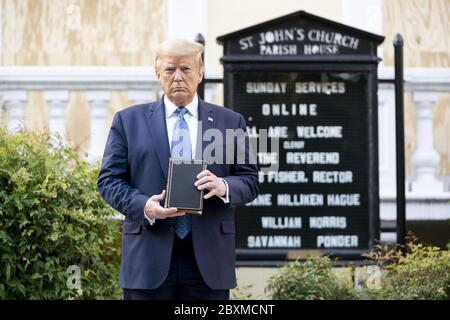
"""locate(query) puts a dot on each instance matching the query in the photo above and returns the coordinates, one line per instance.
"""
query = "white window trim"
(366, 15)
(186, 18)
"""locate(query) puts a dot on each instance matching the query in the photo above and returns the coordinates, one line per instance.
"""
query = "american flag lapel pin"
(210, 119)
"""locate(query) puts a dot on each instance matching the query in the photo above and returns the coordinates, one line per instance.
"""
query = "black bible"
(181, 192)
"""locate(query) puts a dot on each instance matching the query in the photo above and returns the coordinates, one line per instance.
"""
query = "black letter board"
(312, 83)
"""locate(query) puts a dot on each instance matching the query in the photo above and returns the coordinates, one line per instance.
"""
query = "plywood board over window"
(425, 27)
(80, 33)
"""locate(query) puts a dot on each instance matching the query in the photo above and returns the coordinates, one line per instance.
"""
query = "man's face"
(179, 77)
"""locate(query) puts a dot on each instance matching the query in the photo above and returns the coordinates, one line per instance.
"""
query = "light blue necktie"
(181, 148)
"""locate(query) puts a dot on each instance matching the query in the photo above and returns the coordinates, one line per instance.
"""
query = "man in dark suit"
(167, 254)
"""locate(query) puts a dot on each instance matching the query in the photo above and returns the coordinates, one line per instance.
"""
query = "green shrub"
(52, 217)
(410, 273)
(423, 273)
(313, 279)
(241, 293)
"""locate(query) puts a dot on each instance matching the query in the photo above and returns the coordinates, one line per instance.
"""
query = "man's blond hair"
(179, 47)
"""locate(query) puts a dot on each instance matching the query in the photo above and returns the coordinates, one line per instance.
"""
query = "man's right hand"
(153, 209)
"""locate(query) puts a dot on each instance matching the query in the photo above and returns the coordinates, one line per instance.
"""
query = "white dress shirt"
(191, 118)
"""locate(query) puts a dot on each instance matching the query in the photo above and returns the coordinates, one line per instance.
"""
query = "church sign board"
(310, 83)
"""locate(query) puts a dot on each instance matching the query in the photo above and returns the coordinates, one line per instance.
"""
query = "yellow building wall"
(79, 33)
(425, 27)
(225, 16)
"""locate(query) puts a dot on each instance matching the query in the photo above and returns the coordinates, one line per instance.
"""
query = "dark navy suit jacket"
(134, 167)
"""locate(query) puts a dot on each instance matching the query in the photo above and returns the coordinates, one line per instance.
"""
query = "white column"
(14, 102)
(141, 96)
(209, 94)
(386, 145)
(57, 101)
(425, 158)
(98, 101)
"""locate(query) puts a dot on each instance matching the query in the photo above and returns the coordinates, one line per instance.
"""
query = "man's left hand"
(209, 181)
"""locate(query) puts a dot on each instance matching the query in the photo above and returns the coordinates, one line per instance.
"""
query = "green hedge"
(417, 272)
(52, 217)
(313, 279)
(423, 273)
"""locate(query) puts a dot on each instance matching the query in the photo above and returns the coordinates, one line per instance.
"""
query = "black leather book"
(181, 192)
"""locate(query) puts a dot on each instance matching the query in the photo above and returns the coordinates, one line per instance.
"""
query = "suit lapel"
(206, 121)
(158, 130)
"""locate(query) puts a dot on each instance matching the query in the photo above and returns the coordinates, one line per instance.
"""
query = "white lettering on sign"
(284, 41)
(312, 157)
(278, 50)
(265, 87)
(252, 132)
(277, 132)
(292, 34)
(344, 200)
(300, 200)
(332, 176)
(267, 157)
(246, 43)
(326, 132)
(327, 88)
(328, 222)
(316, 49)
(289, 145)
(329, 37)
(274, 241)
(281, 109)
(283, 177)
(281, 222)
(337, 241)
(262, 200)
